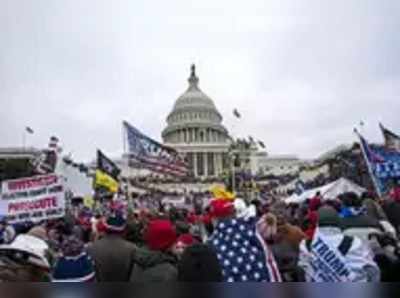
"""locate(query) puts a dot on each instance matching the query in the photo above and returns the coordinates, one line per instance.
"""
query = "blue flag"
(384, 164)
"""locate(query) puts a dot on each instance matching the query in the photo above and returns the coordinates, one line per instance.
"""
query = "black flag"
(107, 166)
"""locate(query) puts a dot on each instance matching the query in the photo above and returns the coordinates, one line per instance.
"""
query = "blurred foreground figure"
(199, 263)
(24, 260)
(333, 257)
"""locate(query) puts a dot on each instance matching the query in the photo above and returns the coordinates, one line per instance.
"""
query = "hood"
(146, 258)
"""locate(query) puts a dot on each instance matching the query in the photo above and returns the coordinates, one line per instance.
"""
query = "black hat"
(328, 217)
(199, 263)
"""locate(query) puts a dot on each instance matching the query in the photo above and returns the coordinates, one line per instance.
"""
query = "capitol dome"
(196, 111)
(194, 127)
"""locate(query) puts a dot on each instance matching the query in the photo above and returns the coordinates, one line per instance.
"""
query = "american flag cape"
(242, 254)
(148, 153)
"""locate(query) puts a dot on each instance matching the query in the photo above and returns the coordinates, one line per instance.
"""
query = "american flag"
(242, 254)
(153, 155)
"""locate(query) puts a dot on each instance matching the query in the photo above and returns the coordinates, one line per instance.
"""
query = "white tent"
(328, 191)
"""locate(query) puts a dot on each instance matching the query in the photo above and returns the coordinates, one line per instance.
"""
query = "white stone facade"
(194, 128)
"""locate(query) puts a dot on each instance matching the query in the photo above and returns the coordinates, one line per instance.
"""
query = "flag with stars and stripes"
(152, 155)
(242, 254)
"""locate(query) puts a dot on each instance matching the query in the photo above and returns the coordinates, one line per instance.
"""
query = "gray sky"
(302, 73)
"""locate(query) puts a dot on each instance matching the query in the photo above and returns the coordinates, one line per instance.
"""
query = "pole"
(371, 173)
(126, 159)
(233, 172)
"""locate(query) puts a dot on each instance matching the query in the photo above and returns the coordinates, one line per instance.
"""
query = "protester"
(24, 260)
(156, 262)
(113, 256)
(199, 263)
(74, 264)
(333, 257)
(355, 220)
(241, 251)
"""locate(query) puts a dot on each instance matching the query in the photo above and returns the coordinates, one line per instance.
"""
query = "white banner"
(33, 198)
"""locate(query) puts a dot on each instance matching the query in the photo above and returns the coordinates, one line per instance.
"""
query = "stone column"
(205, 162)
(217, 169)
(195, 164)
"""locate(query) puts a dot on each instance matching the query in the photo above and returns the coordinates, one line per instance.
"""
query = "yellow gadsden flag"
(220, 192)
(106, 181)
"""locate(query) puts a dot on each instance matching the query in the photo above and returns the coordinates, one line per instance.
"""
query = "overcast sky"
(302, 73)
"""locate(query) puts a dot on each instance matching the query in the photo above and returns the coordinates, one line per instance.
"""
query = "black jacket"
(154, 266)
(114, 258)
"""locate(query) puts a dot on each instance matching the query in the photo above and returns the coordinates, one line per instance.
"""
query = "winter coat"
(14, 272)
(114, 258)
(154, 266)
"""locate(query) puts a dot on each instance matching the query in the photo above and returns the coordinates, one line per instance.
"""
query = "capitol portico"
(194, 128)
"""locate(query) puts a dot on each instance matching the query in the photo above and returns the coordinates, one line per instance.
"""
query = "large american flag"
(152, 155)
(242, 254)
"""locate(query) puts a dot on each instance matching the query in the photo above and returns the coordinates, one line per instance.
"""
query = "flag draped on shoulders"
(107, 173)
(242, 254)
(148, 153)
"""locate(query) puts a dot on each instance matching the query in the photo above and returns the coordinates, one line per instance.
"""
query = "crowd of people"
(345, 239)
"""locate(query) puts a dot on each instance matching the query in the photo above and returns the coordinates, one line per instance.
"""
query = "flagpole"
(371, 173)
(126, 159)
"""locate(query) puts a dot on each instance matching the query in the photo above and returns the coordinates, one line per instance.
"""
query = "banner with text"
(33, 198)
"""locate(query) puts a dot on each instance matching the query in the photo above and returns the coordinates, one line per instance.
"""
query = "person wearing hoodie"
(112, 254)
(333, 257)
(156, 262)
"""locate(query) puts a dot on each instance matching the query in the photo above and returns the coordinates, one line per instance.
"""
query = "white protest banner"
(33, 199)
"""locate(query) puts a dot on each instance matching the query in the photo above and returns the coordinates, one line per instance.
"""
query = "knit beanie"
(199, 263)
(160, 235)
(115, 223)
(328, 217)
(221, 208)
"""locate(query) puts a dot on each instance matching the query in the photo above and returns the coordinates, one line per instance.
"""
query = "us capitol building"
(195, 129)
